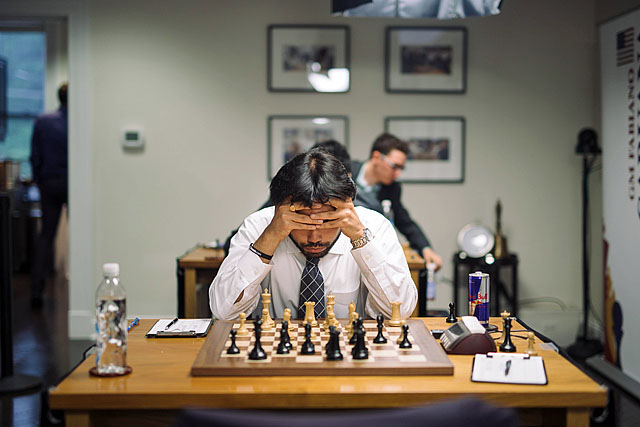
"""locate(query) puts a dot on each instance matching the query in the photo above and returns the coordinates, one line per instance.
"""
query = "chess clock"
(467, 336)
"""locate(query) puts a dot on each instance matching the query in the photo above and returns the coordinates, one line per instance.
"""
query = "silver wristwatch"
(366, 238)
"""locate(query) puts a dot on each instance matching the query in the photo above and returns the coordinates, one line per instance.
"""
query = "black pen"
(506, 369)
(171, 323)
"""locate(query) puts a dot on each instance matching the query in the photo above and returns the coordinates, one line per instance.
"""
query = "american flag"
(624, 47)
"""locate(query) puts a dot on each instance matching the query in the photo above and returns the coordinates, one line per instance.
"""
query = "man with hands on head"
(312, 243)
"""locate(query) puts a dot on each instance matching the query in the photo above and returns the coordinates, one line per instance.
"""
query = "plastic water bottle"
(431, 281)
(111, 322)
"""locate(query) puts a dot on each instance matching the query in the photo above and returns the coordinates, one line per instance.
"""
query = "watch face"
(475, 240)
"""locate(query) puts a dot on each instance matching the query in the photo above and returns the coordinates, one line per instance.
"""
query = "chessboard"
(425, 357)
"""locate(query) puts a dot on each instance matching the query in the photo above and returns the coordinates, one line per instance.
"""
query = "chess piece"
(452, 313)
(354, 328)
(380, 339)
(405, 337)
(307, 345)
(285, 342)
(352, 309)
(507, 346)
(309, 314)
(265, 320)
(399, 340)
(330, 320)
(266, 301)
(352, 316)
(233, 348)
(360, 350)
(257, 353)
(286, 316)
(242, 330)
(396, 318)
(331, 302)
(531, 339)
(333, 346)
(285, 329)
(504, 315)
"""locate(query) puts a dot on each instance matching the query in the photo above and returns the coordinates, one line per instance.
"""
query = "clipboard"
(182, 328)
(509, 368)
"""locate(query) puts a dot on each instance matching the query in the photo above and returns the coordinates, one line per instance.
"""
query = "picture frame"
(426, 60)
(436, 147)
(294, 51)
(288, 135)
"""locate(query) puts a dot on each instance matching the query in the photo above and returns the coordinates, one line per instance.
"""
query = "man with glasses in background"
(376, 180)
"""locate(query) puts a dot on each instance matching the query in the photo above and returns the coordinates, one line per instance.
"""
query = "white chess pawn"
(242, 330)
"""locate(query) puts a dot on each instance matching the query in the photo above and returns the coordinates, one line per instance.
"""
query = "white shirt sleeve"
(241, 270)
(384, 269)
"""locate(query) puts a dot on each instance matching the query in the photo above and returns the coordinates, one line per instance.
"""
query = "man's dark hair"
(387, 142)
(338, 150)
(62, 94)
(312, 176)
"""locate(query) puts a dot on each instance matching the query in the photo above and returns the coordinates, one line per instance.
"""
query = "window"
(23, 58)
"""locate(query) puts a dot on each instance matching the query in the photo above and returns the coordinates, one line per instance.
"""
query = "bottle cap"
(111, 269)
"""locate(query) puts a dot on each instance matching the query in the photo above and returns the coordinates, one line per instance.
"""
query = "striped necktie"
(311, 288)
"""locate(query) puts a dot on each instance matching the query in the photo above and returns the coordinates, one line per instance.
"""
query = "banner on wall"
(620, 89)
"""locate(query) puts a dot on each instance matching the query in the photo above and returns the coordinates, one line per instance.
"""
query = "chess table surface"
(161, 381)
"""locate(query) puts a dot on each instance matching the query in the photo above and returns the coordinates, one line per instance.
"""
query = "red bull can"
(479, 297)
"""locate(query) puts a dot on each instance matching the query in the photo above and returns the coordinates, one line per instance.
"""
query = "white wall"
(193, 74)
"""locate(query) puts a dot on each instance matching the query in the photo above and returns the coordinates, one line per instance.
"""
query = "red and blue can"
(479, 297)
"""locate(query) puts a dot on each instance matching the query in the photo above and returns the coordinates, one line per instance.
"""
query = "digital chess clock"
(467, 337)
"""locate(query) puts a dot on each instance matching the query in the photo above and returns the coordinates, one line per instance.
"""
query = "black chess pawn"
(233, 348)
(333, 346)
(283, 348)
(360, 350)
(354, 327)
(380, 339)
(452, 313)
(307, 345)
(405, 337)
(507, 346)
(285, 327)
(257, 353)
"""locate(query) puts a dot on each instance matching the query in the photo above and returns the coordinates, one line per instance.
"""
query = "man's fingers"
(340, 204)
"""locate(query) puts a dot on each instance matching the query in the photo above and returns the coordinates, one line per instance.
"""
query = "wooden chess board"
(426, 357)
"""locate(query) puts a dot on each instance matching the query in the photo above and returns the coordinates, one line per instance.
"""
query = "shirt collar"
(362, 183)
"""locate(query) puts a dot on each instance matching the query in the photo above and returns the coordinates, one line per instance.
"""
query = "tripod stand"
(588, 148)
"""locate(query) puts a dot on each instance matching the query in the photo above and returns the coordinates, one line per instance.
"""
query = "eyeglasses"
(392, 164)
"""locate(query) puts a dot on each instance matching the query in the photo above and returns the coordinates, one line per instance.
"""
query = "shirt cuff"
(252, 270)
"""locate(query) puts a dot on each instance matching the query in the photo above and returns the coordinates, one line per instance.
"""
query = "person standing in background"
(376, 180)
(49, 154)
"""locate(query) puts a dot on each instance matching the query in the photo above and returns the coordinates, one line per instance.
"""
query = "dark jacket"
(49, 146)
(401, 218)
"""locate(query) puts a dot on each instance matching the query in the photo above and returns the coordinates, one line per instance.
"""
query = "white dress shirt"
(371, 277)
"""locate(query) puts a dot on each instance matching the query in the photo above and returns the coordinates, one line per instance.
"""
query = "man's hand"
(284, 220)
(344, 217)
(430, 256)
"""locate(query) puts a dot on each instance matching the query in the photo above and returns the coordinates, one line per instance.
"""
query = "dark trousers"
(53, 195)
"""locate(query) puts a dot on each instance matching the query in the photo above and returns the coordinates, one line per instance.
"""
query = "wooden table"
(202, 264)
(160, 385)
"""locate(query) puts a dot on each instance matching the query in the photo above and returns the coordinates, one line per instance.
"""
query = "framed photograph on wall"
(308, 58)
(291, 135)
(426, 60)
(436, 147)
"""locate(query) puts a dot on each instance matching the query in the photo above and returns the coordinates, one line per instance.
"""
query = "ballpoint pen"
(507, 367)
(171, 323)
(133, 323)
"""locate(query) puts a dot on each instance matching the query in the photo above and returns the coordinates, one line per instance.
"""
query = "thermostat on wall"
(133, 138)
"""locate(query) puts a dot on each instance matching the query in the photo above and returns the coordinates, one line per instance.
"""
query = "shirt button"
(255, 272)
(368, 257)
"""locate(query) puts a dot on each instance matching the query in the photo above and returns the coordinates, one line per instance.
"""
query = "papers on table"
(180, 328)
(510, 368)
